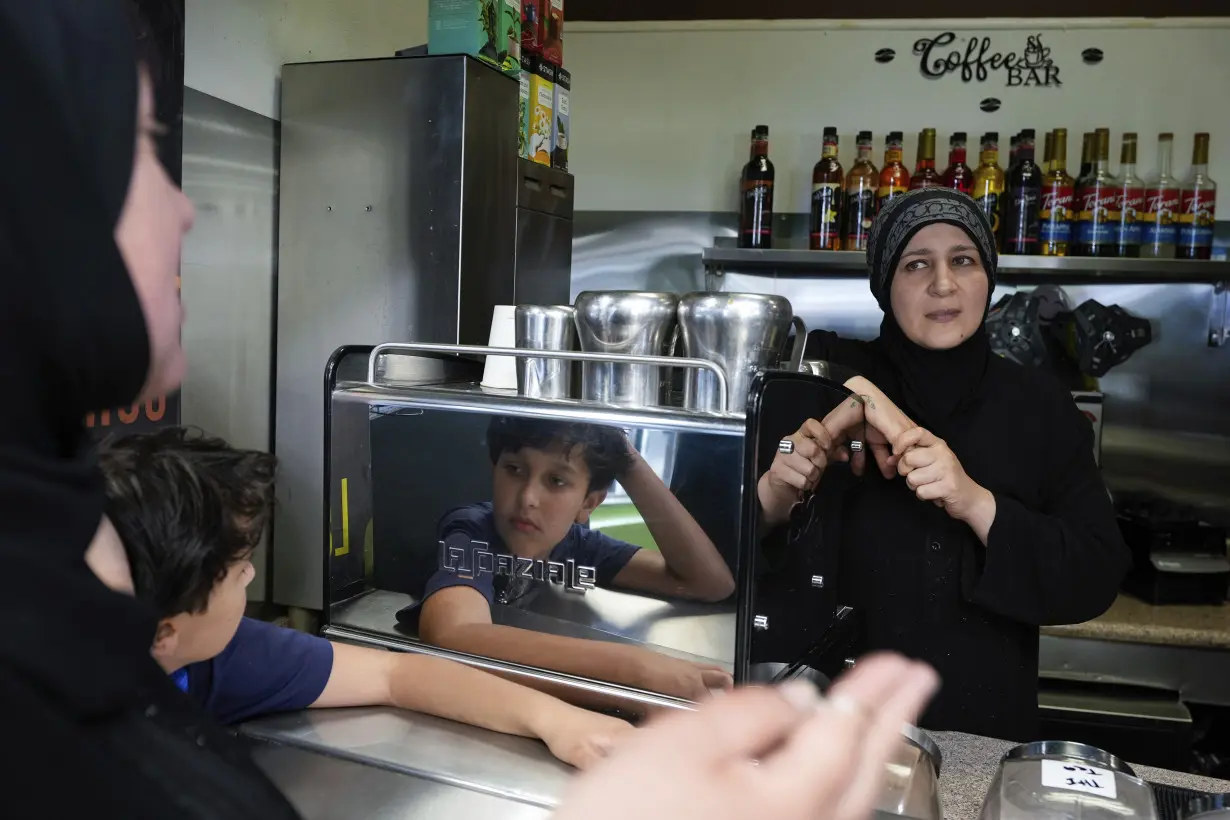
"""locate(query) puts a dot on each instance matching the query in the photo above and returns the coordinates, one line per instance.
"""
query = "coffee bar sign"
(976, 59)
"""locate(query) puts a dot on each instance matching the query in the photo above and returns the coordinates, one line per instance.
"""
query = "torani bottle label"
(1055, 214)
(1196, 210)
(1159, 216)
(1098, 219)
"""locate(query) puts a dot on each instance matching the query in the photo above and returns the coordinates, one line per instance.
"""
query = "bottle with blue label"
(1197, 204)
(1131, 200)
(1097, 203)
(1160, 216)
(1058, 191)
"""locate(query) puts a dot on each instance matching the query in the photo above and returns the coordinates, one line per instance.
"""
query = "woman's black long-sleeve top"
(925, 584)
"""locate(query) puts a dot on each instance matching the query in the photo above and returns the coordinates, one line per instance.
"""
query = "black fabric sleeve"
(1061, 564)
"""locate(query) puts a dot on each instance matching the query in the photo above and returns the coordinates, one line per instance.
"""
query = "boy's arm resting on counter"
(459, 618)
(687, 564)
(363, 676)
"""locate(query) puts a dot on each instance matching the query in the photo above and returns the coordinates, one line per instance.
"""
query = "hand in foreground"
(581, 738)
(679, 678)
(776, 752)
(934, 473)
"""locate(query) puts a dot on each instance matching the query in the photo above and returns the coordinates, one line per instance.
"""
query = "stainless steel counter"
(383, 764)
(329, 788)
(390, 763)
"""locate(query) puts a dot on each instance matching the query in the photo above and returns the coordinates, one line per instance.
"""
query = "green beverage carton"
(487, 29)
(559, 132)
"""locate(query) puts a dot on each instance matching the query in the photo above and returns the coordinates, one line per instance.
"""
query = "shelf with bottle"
(1035, 208)
(1013, 269)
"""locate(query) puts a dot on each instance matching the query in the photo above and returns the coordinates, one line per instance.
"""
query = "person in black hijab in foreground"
(987, 516)
(90, 231)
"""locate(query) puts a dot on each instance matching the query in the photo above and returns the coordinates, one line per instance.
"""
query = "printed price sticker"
(1059, 774)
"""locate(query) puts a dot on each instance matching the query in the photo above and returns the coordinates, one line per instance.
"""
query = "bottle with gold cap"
(989, 183)
(1048, 153)
(1086, 156)
(1097, 203)
(1131, 200)
(1160, 216)
(925, 175)
(1058, 190)
(1196, 205)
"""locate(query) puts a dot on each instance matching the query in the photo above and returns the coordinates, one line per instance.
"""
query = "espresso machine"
(408, 432)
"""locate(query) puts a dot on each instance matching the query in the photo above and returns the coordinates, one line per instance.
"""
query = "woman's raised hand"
(815, 445)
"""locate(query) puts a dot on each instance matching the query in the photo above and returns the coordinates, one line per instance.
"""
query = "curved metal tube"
(719, 374)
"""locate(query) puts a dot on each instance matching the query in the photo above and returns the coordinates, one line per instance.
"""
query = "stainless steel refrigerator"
(404, 215)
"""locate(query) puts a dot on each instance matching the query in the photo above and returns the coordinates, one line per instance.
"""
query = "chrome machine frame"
(343, 373)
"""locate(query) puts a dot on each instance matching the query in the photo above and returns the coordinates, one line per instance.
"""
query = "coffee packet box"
(487, 29)
(562, 122)
(542, 109)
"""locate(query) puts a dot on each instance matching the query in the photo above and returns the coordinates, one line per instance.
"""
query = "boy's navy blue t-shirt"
(476, 522)
(264, 669)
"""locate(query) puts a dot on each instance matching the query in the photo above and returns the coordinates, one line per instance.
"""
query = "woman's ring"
(785, 446)
(856, 447)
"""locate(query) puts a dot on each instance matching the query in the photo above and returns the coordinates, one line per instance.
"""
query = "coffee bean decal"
(885, 55)
(1092, 56)
(989, 105)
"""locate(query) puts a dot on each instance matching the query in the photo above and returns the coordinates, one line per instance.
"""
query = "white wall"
(234, 49)
(661, 112)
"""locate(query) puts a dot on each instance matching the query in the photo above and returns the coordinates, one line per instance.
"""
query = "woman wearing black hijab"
(987, 516)
(90, 231)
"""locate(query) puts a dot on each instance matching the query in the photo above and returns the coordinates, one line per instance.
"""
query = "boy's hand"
(682, 679)
(580, 737)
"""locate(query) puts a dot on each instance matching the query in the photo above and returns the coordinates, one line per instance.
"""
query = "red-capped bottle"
(957, 175)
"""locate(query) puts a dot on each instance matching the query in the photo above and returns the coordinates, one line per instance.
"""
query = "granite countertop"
(970, 763)
(1133, 621)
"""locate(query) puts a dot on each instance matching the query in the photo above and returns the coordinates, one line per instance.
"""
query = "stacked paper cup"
(501, 371)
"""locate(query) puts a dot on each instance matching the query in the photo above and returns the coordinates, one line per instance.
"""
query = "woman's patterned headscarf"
(907, 215)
